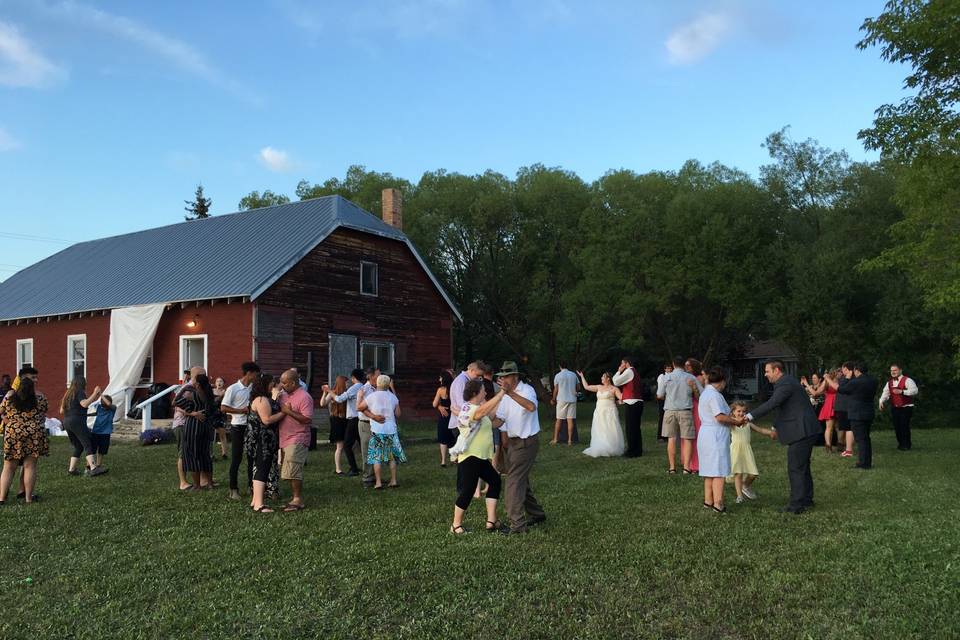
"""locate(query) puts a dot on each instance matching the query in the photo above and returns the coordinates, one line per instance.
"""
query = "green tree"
(199, 207)
(360, 186)
(921, 135)
(257, 200)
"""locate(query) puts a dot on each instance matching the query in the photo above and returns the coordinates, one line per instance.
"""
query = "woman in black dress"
(263, 441)
(198, 404)
(73, 407)
(446, 436)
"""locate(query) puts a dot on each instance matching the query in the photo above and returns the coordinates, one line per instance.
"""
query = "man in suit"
(797, 427)
(860, 388)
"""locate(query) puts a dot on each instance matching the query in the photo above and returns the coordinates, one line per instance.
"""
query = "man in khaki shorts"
(676, 389)
(565, 398)
(297, 406)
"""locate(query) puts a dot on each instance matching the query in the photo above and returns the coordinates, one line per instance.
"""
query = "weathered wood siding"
(322, 294)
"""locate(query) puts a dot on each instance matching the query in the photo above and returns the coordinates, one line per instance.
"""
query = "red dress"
(826, 411)
(694, 459)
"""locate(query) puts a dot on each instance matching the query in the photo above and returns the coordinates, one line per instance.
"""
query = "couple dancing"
(606, 436)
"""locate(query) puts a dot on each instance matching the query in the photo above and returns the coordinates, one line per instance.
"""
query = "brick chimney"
(392, 201)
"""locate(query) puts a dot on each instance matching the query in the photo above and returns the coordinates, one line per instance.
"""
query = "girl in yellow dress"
(743, 466)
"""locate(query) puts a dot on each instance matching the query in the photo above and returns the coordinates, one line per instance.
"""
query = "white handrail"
(147, 406)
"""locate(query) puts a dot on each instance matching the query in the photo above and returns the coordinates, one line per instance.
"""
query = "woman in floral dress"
(25, 436)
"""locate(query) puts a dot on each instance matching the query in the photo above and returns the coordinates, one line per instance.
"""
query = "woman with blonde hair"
(383, 409)
(338, 418)
(73, 408)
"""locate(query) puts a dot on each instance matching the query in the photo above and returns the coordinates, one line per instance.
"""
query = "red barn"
(320, 284)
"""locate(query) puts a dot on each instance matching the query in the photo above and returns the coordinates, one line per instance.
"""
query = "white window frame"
(380, 343)
(140, 383)
(77, 337)
(183, 342)
(21, 363)
(376, 279)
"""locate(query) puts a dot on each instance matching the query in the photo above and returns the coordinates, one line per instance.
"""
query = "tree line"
(838, 259)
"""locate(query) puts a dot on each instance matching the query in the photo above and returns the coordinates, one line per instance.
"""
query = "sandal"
(493, 527)
(687, 472)
(290, 508)
(672, 471)
(378, 487)
(459, 531)
(707, 505)
(393, 486)
(724, 510)
(262, 509)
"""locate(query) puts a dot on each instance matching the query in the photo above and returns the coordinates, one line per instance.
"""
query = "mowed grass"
(627, 552)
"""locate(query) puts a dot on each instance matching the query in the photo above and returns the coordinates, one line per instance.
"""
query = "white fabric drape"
(131, 337)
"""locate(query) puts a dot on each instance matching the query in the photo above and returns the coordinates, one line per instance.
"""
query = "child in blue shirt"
(103, 426)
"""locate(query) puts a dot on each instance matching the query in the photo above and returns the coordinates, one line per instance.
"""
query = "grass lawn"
(627, 552)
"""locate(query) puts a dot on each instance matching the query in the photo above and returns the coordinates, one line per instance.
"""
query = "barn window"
(146, 376)
(193, 352)
(369, 279)
(24, 353)
(378, 355)
(76, 357)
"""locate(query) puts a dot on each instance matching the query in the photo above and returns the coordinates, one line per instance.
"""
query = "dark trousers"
(634, 413)
(861, 435)
(901, 425)
(238, 433)
(469, 473)
(313, 439)
(798, 470)
(660, 413)
(351, 435)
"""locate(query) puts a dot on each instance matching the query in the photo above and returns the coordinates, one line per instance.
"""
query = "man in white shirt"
(631, 391)
(901, 392)
(519, 428)
(565, 385)
(236, 403)
(667, 368)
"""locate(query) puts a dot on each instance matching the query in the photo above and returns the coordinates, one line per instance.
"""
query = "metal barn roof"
(236, 255)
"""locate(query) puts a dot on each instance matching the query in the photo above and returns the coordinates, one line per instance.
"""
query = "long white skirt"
(606, 436)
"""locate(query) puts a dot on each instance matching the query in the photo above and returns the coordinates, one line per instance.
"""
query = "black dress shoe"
(532, 522)
(795, 511)
(861, 466)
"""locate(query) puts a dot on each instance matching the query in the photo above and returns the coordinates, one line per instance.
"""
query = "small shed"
(747, 379)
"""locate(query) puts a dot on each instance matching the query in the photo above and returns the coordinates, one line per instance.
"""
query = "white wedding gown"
(606, 436)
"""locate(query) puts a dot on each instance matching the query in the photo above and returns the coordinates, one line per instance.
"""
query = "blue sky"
(112, 112)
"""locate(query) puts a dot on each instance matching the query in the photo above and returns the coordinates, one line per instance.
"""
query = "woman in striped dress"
(198, 405)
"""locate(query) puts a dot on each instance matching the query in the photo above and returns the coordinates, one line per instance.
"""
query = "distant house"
(320, 284)
(747, 372)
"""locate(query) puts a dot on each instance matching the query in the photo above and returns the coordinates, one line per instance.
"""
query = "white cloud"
(21, 65)
(8, 142)
(695, 40)
(276, 160)
(175, 51)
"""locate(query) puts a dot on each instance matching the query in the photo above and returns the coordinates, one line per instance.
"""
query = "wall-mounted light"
(195, 322)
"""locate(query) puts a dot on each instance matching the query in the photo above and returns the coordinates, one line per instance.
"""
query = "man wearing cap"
(519, 428)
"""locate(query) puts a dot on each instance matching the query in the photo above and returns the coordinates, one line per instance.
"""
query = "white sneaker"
(747, 491)
(741, 500)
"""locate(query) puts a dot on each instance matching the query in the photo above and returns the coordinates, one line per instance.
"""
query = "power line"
(24, 236)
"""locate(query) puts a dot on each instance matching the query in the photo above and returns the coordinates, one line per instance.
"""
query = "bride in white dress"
(606, 436)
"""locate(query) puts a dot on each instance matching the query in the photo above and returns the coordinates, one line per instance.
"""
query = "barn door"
(343, 356)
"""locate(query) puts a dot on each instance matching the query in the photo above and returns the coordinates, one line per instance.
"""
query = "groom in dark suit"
(860, 388)
(797, 427)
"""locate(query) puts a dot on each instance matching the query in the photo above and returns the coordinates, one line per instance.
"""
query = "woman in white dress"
(606, 436)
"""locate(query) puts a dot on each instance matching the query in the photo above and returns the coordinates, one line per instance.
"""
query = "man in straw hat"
(519, 428)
